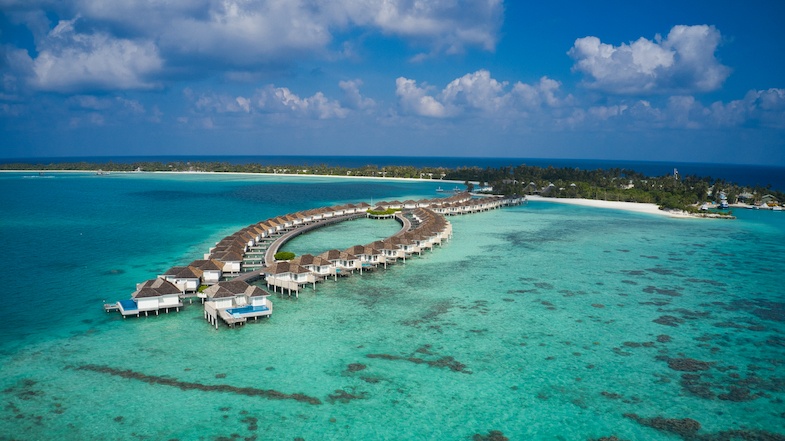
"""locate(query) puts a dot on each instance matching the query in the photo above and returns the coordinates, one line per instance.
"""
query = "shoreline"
(637, 207)
(291, 175)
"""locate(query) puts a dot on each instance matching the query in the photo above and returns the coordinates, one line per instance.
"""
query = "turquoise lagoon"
(540, 322)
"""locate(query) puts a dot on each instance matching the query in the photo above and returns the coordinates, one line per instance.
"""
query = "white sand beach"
(614, 205)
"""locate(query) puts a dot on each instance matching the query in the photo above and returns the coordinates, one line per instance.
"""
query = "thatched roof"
(233, 288)
(207, 265)
(285, 267)
(310, 259)
(155, 288)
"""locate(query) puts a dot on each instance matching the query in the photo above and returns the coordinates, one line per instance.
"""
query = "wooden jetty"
(248, 256)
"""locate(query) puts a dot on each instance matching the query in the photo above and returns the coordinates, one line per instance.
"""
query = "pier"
(223, 278)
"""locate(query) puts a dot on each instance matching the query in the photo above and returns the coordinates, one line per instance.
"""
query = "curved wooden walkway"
(272, 250)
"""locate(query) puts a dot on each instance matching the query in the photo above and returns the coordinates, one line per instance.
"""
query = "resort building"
(343, 262)
(235, 302)
(186, 278)
(320, 267)
(212, 270)
(152, 295)
(289, 276)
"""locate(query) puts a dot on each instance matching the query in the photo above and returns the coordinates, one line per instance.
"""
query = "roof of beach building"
(336, 255)
(155, 288)
(310, 259)
(184, 272)
(233, 288)
(206, 265)
(356, 250)
(394, 242)
(229, 256)
(376, 245)
(285, 267)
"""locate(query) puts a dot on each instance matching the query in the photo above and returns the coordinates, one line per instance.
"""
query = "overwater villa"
(152, 295)
(221, 277)
(186, 278)
(212, 270)
(235, 302)
(369, 257)
(319, 266)
(344, 262)
(288, 276)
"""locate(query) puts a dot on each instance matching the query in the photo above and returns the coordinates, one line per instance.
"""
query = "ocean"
(538, 322)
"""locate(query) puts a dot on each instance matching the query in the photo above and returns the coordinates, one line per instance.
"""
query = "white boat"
(439, 190)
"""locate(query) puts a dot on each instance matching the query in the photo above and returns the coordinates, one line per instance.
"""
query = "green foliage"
(386, 212)
(284, 255)
(613, 184)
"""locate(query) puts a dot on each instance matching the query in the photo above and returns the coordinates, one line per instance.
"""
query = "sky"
(688, 81)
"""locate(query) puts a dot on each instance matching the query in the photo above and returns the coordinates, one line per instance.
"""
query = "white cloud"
(268, 100)
(273, 99)
(352, 97)
(684, 61)
(765, 108)
(544, 93)
(758, 107)
(69, 61)
(476, 91)
(450, 24)
(414, 99)
(249, 32)
(480, 94)
(133, 44)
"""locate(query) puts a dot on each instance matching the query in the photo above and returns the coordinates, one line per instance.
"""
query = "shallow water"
(541, 321)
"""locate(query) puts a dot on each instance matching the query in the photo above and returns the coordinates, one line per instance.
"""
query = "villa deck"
(236, 316)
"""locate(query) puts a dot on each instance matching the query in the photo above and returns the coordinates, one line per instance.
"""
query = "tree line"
(613, 184)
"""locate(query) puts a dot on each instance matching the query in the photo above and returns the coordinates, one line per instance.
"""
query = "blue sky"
(696, 81)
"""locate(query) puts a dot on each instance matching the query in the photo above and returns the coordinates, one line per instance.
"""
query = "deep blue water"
(744, 174)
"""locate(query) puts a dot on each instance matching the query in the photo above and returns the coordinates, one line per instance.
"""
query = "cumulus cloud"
(256, 32)
(543, 93)
(268, 100)
(352, 97)
(758, 108)
(478, 93)
(449, 24)
(683, 61)
(273, 99)
(415, 99)
(69, 61)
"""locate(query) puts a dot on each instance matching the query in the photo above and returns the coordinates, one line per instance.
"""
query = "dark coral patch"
(684, 427)
(443, 362)
(186, 385)
(342, 396)
(493, 435)
(355, 367)
(688, 364)
(667, 292)
(668, 320)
